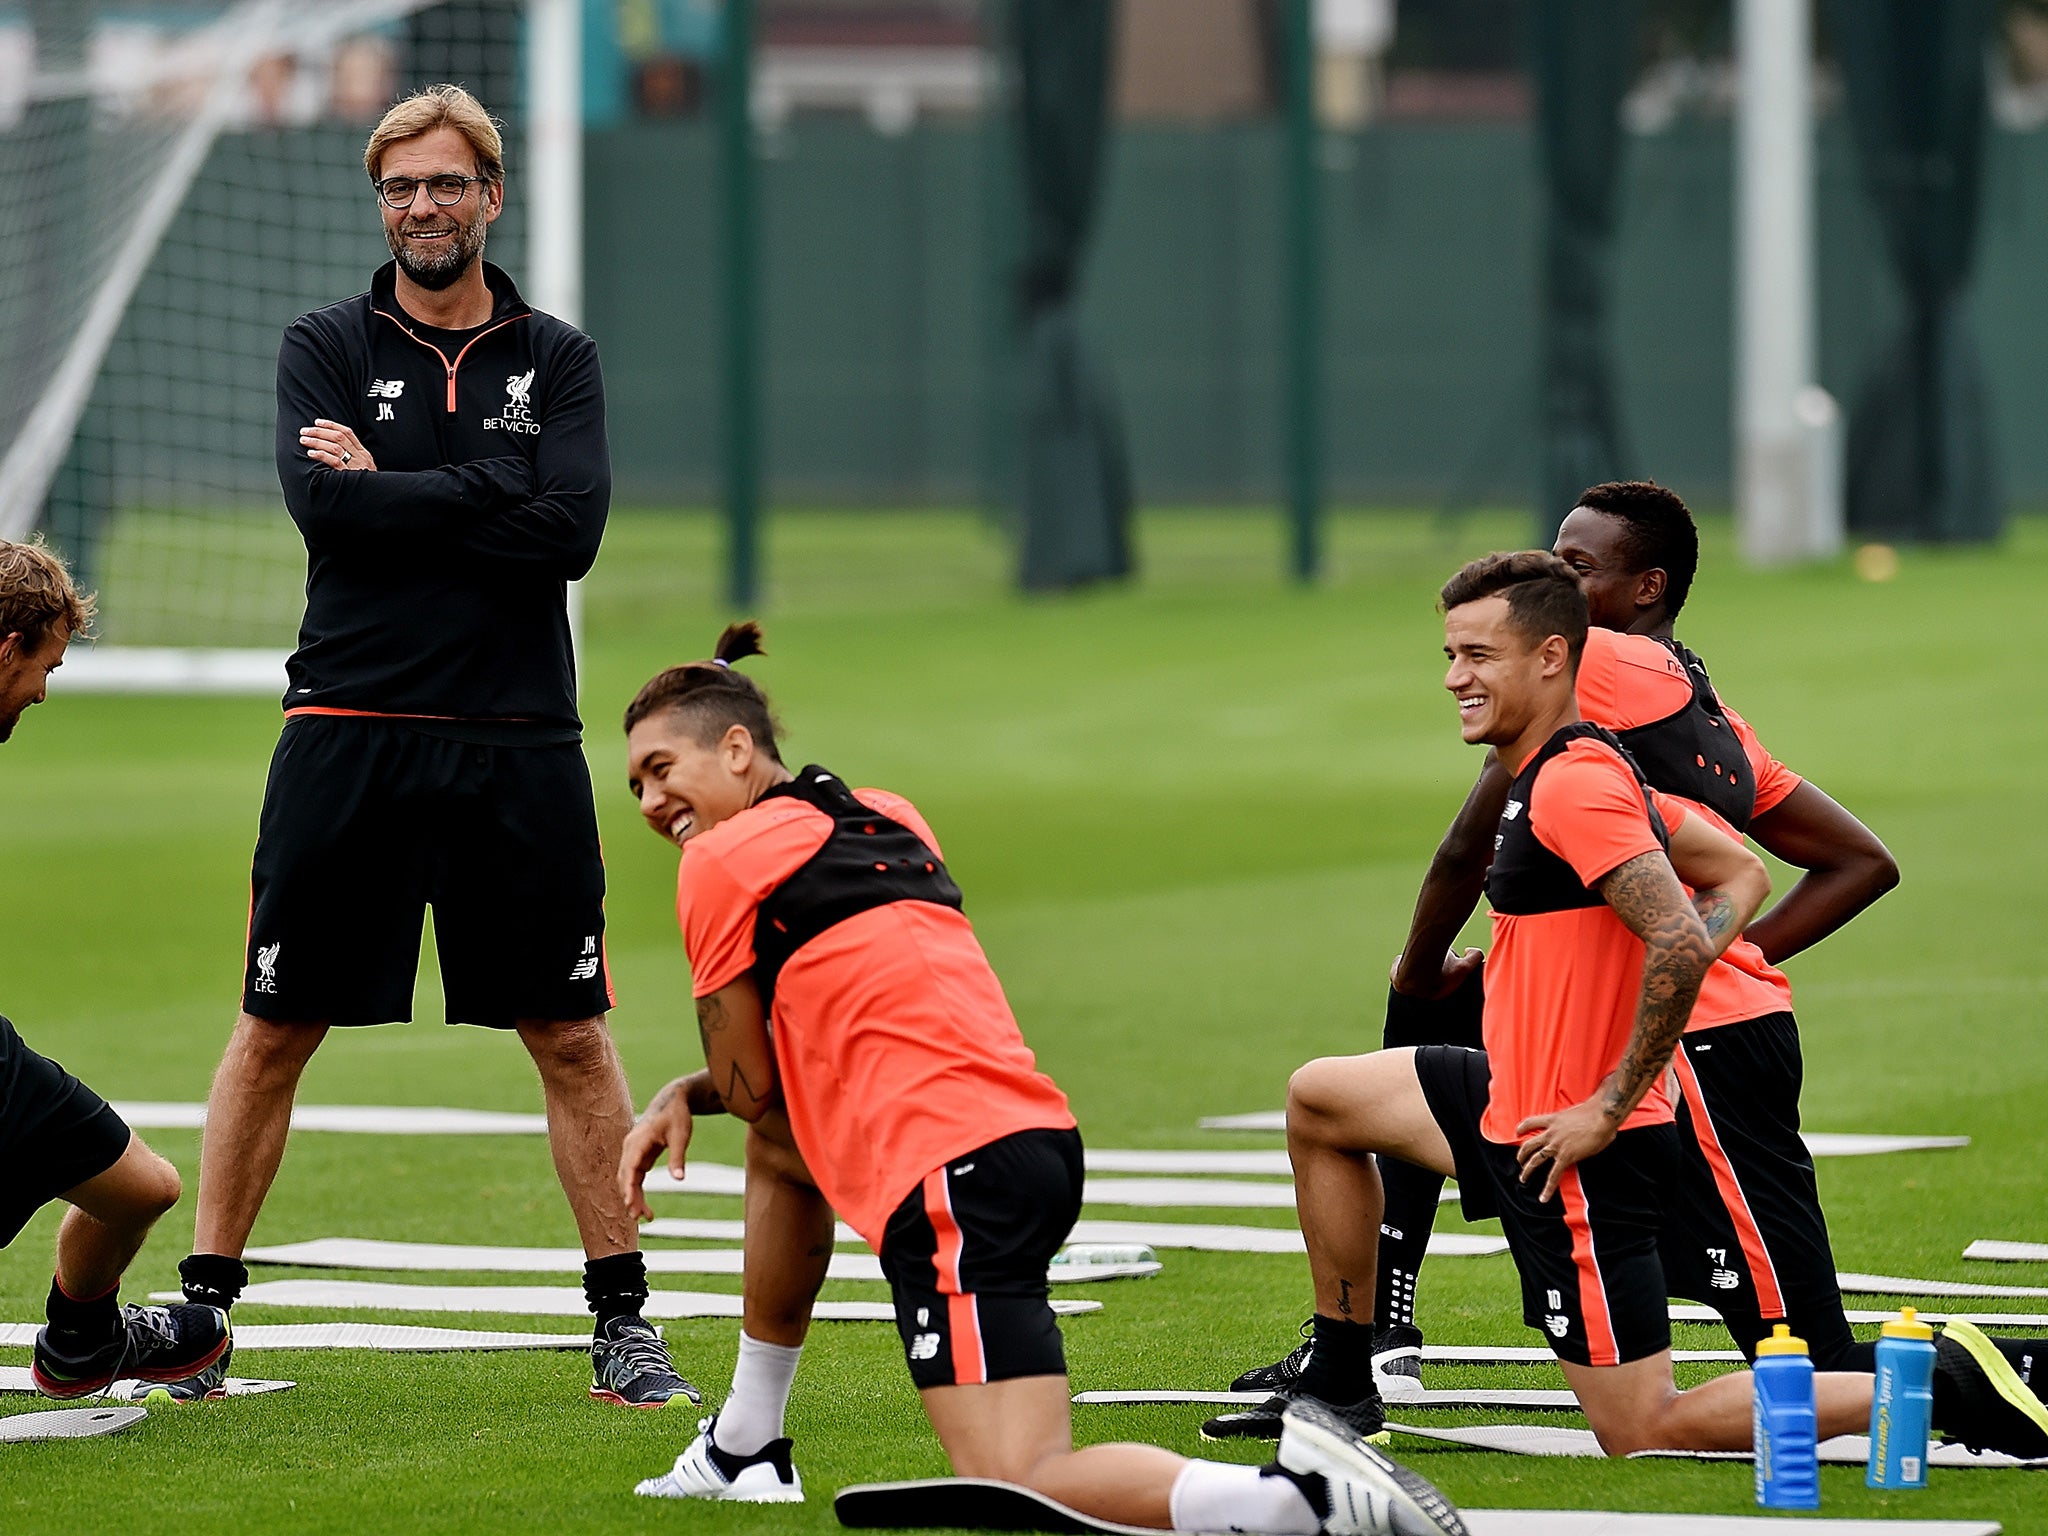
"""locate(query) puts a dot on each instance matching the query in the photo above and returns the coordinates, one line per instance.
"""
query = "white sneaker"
(1397, 1362)
(705, 1472)
(1371, 1494)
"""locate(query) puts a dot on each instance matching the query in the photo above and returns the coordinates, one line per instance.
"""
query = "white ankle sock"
(752, 1414)
(1217, 1496)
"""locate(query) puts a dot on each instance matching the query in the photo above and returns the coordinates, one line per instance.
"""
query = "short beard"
(444, 269)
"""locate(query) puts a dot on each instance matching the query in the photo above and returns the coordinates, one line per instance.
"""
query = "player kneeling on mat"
(58, 1139)
(1563, 1120)
(916, 1105)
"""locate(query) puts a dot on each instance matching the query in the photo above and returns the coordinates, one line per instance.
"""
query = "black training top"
(436, 584)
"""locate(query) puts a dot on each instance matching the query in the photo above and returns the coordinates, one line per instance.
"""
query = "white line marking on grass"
(362, 1119)
(1991, 1250)
(535, 1300)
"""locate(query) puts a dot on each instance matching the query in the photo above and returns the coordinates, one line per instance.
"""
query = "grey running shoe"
(630, 1365)
(169, 1345)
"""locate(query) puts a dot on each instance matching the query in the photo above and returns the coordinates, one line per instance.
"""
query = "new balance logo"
(586, 968)
(924, 1346)
(1558, 1325)
(384, 411)
(1724, 1280)
(386, 389)
(266, 967)
(1514, 809)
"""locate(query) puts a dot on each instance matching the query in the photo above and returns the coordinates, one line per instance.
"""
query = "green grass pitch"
(1189, 816)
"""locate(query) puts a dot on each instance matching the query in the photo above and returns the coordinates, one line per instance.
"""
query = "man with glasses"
(442, 450)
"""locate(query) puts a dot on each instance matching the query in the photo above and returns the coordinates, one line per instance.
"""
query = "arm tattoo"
(666, 1097)
(736, 1090)
(1646, 895)
(700, 1096)
(711, 1018)
(1717, 914)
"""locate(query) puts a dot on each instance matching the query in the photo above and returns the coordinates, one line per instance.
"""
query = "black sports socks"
(1404, 1237)
(1339, 1368)
(213, 1280)
(90, 1321)
(615, 1286)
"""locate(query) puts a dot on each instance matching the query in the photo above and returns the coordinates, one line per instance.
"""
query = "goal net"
(178, 181)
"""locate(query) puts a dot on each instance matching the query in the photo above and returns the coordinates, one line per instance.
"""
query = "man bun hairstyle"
(1661, 535)
(1543, 593)
(440, 106)
(36, 594)
(711, 696)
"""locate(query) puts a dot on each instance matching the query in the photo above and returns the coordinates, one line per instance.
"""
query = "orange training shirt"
(895, 1046)
(1562, 986)
(1626, 681)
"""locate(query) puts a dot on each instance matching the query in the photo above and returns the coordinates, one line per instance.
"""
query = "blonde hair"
(36, 593)
(439, 106)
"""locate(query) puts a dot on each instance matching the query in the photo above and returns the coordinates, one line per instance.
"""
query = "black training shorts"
(1746, 1234)
(1452, 1020)
(55, 1133)
(1591, 1280)
(966, 1255)
(368, 821)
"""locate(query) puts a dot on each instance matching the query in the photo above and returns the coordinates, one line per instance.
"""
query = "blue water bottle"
(1901, 1404)
(1787, 1464)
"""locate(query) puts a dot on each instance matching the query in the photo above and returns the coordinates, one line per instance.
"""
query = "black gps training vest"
(868, 861)
(1526, 877)
(1694, 752)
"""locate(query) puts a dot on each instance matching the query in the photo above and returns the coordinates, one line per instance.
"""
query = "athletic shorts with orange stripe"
(966, 1256)
(1592, 1281)
(1746, 1235)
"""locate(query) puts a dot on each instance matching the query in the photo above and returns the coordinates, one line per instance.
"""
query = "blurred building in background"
(882, 269)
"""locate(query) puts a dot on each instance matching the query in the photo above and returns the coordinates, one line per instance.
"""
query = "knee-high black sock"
(1404, 1238)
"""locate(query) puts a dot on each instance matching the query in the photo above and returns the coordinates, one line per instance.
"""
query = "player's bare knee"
(273, 1053)
(1312, 1094)
(576, 1046)
(162, 1187)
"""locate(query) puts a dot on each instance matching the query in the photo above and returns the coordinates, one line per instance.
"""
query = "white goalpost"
(176, 185)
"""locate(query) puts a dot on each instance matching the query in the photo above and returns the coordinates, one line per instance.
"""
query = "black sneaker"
(630, 1365)
(1996, 1411)
(1283, 1373)
(1397, 1360)
(156, 1344)
(1367, 1417)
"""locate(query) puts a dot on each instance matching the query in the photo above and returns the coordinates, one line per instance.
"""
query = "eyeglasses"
(400, 191)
